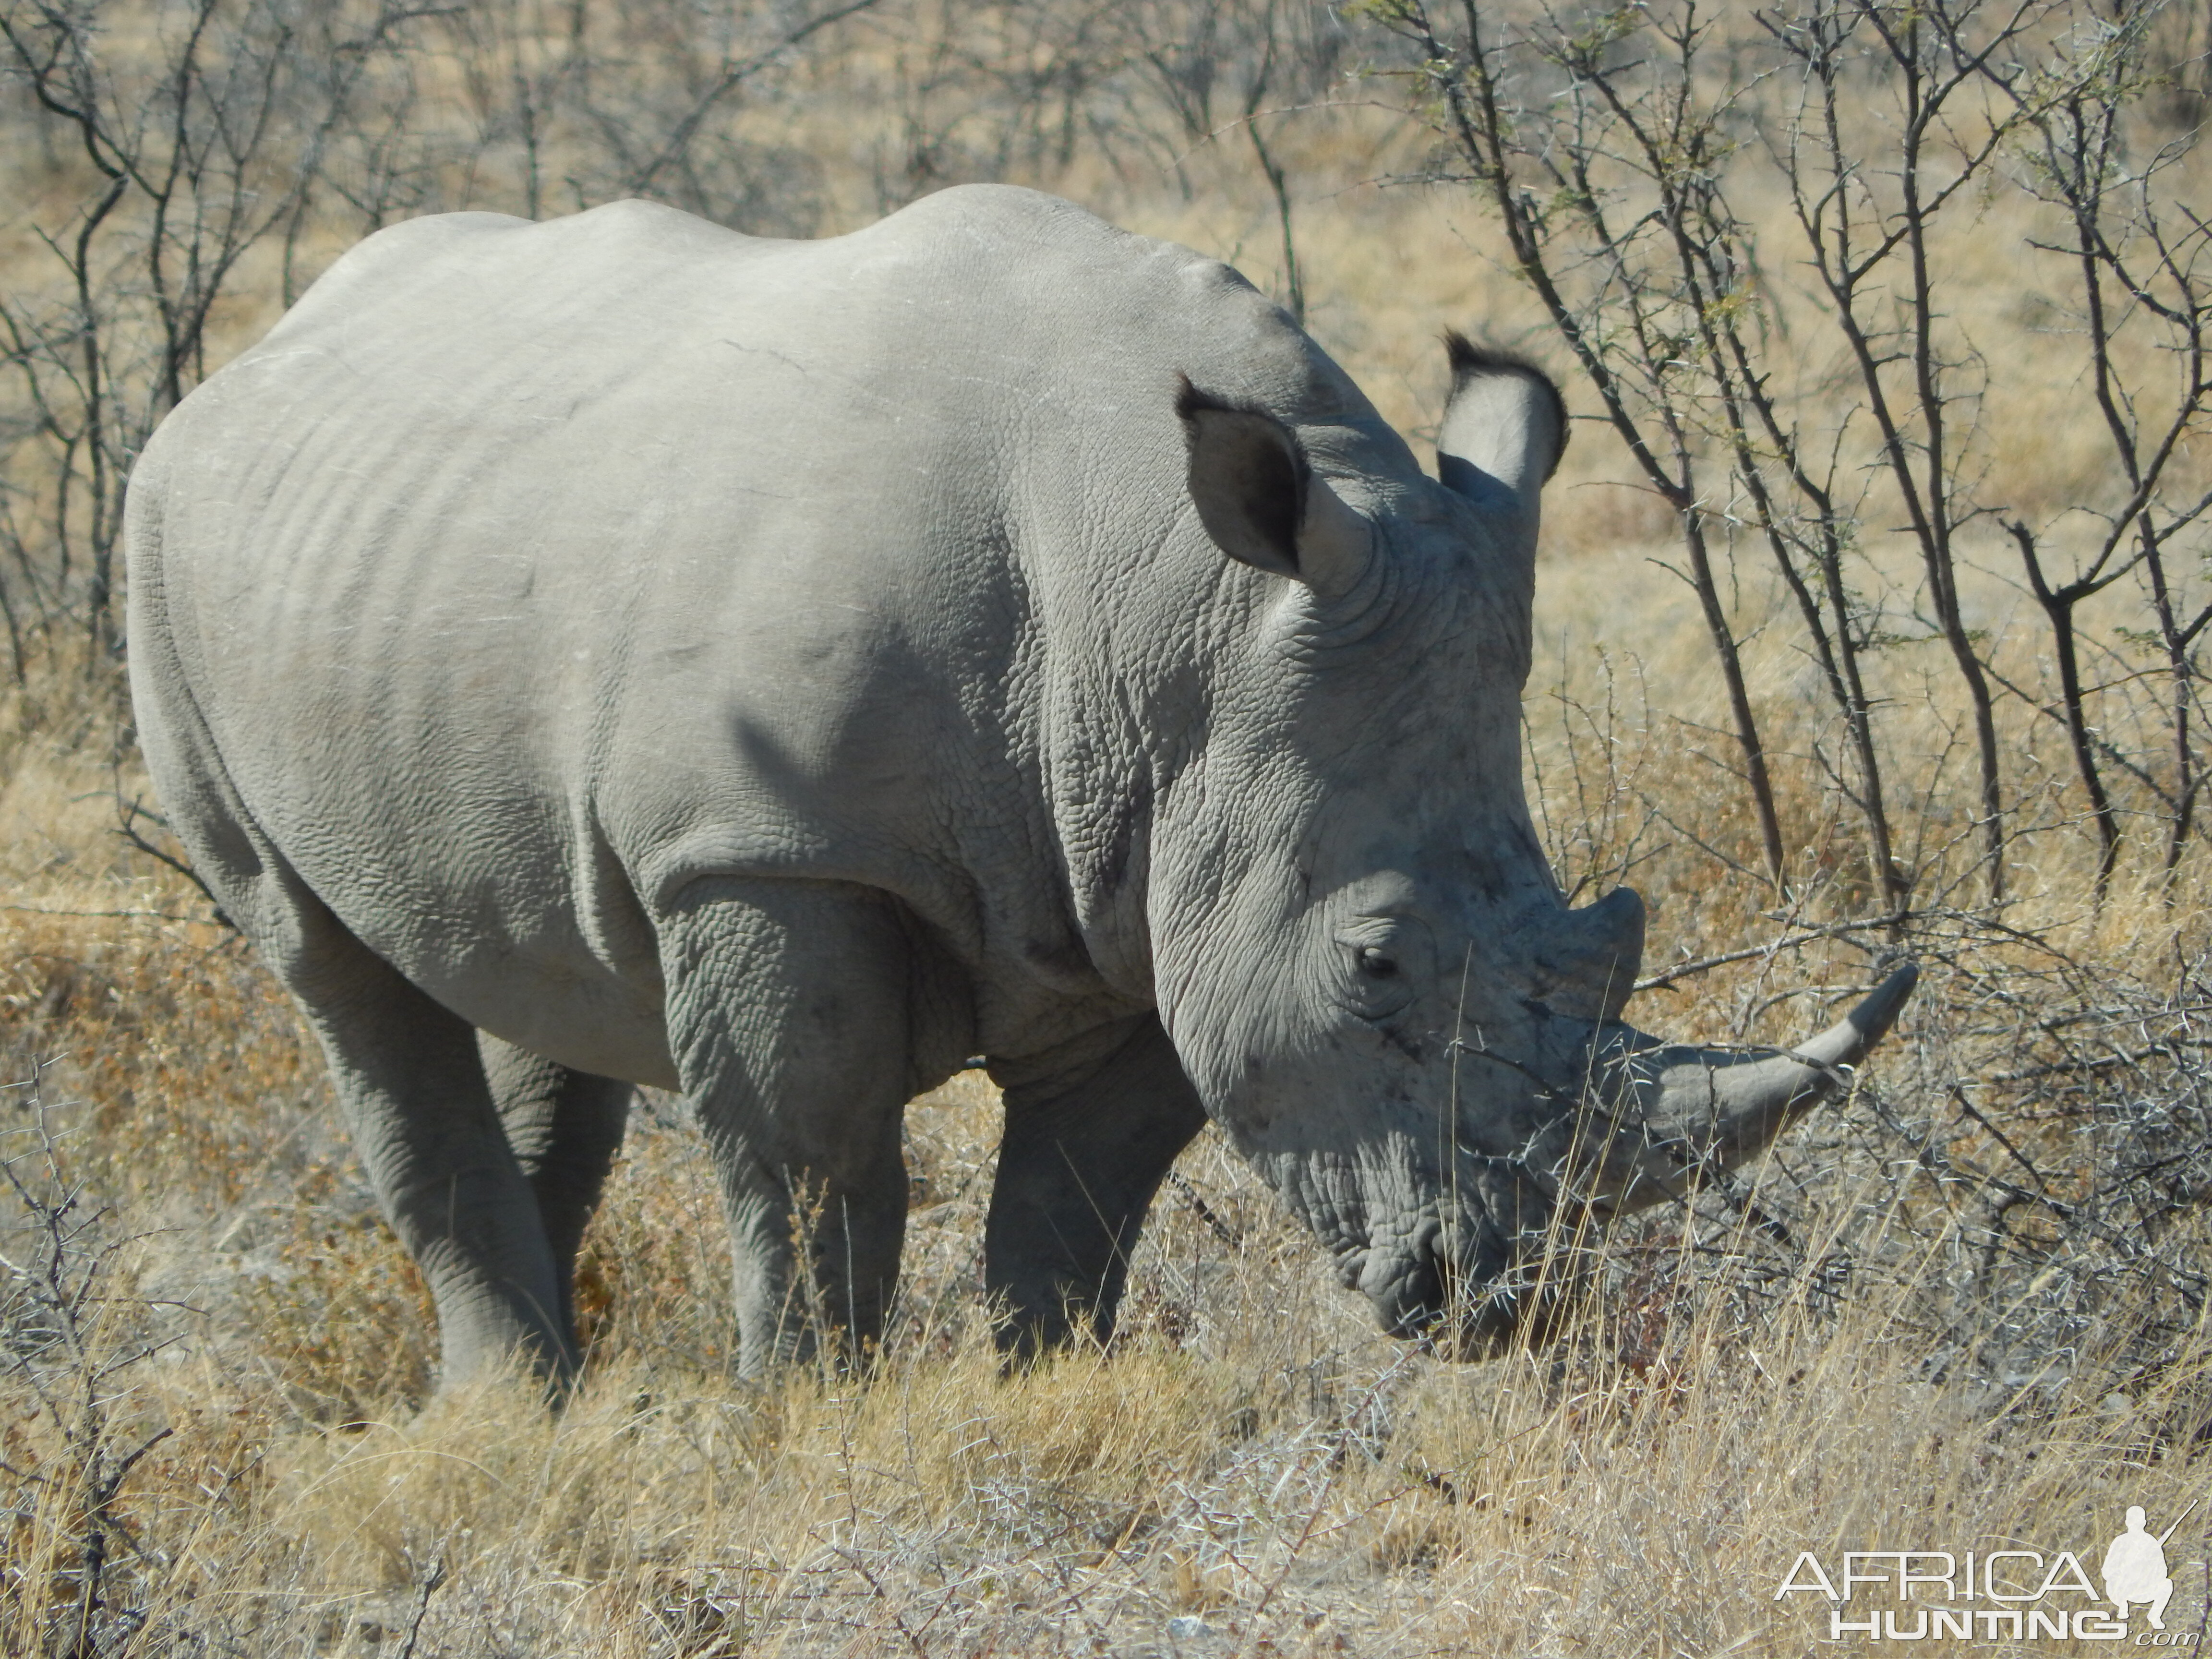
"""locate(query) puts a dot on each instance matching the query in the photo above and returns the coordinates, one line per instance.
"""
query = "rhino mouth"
(1459, 1309)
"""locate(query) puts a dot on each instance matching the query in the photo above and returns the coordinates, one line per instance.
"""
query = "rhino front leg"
(1087, 1146)
(787, 1016)
(566, 1128)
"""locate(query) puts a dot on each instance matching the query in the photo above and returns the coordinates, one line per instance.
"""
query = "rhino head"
(1360, 951)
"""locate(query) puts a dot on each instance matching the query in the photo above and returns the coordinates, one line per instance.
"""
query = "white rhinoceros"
(620, 651)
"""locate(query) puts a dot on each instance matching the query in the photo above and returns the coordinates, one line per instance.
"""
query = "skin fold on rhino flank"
(619, 651)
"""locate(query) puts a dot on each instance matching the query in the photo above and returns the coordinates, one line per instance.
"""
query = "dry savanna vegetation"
(1871, 621)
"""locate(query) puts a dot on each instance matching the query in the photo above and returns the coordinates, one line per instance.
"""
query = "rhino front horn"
(1726, 1105)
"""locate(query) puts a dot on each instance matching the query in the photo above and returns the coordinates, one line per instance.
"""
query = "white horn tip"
(1873, 1018)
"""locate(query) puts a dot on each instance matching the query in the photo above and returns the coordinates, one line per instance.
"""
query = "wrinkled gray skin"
(620, 651)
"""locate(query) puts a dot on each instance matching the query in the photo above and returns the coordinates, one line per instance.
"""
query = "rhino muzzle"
(1647, 1121)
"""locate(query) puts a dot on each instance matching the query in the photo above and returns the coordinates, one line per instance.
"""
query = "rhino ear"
(1259, 499)
(1504, 431)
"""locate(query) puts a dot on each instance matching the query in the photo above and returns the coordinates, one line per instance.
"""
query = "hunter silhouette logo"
(2135, 1567)
(2014, 1594)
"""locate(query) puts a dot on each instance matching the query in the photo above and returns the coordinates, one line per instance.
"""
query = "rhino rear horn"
(1587, 966)
(1259, 499)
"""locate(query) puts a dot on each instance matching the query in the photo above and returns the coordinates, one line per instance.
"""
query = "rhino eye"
(1380, 964)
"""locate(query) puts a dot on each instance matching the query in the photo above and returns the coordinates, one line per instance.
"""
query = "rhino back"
(527, 573)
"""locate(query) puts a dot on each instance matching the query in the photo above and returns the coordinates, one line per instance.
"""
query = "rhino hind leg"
(1084, 1153)
(411, 1088)
(566, 1128)
(406, 1072)
(788, 1015)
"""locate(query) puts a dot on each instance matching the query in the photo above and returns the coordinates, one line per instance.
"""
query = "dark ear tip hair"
(1467, 358)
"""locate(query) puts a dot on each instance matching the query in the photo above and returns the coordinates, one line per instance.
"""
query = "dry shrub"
(652, 1275)
(342, 1318)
